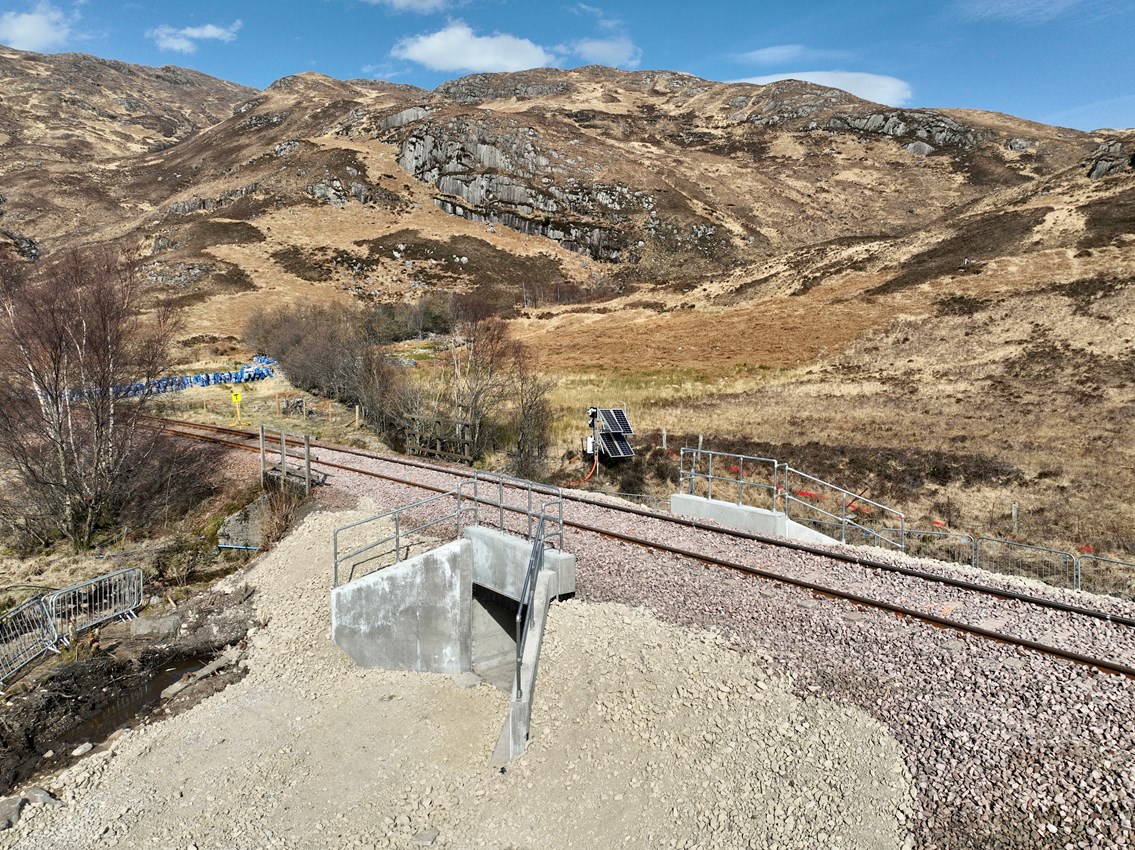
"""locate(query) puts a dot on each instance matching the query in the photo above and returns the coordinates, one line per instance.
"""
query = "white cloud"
(875, 87)
(422, 6)
(780, 54)
(775, 55)
(458, 48)
(43, 28)
(602, 19)
(1022, 11)
(185, 40)
(619, 51)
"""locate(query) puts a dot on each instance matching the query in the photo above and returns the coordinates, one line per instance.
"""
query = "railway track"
(606, 518)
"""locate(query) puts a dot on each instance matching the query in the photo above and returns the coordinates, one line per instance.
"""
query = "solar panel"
(616, 445)
(615, 420)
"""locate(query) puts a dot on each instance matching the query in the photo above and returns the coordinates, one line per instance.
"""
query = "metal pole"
(843, 521)
(262, 471)
(306, 465)
(283, 456)
(740, 480)
(663, 439)
(397, 538)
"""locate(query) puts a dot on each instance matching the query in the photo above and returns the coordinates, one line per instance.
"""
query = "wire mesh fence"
(1107, 576)
(1051, 566)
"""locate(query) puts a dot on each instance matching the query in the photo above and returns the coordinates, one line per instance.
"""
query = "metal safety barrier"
(957, 547)
(26, 634)
(83, 606)
(39, 626)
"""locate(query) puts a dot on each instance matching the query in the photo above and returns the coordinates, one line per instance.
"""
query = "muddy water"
(128, 707)
(85, 708)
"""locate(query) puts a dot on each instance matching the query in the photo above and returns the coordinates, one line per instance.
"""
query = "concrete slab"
(756, 520)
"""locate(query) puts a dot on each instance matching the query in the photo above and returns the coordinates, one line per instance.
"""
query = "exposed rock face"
(477, 88)
(933, 127)
(1111, 157)
(493, 173)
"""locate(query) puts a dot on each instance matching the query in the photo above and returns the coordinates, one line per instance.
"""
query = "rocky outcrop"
(196, 203)
(503, 174)
(930, 127)
(478, 88)
(1111, 157)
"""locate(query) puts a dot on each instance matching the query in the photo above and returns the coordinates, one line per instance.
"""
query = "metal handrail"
(457, 515)
(527, 598)
(843, 517)
(689, 478)
(470, 497)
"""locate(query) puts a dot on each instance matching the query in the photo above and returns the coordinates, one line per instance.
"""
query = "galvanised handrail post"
(843, 520)
(397, 536)
(740, 480)
(335, 557)
(1076, 575)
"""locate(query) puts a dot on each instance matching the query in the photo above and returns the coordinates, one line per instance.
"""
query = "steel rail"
(815, 587)
(805, 548)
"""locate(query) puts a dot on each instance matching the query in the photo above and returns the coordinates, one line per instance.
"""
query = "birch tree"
(76, 359)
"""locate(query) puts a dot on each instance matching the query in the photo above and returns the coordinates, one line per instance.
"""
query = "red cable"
(594, 467)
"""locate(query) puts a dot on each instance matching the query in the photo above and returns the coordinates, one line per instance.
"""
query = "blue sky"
(1064, 62)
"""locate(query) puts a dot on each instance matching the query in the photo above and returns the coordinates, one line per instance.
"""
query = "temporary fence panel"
(83, 606)
(1051, 566)
(26, 633)
(38, 626)
(1108, 576)
(954, 546)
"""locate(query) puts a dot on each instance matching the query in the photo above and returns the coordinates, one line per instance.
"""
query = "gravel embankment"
(635, 741)
(1008, 748)
(646, 735)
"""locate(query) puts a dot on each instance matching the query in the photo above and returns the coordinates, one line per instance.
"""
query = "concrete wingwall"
(418, 614)
(500, 561)
(414, 615)
(756, 520)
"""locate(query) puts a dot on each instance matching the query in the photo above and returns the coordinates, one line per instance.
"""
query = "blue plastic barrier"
(261, 368)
